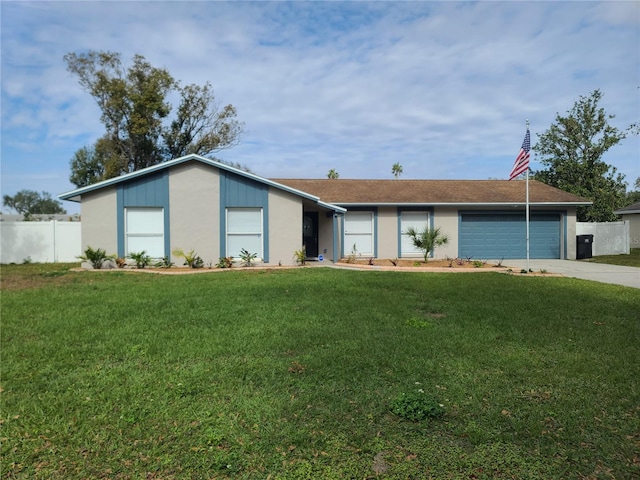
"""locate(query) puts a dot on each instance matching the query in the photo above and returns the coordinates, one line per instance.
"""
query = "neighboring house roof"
(76, 195)
(433, 192)
(633, 208)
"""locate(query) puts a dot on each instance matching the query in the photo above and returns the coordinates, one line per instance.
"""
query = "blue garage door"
(495, 236)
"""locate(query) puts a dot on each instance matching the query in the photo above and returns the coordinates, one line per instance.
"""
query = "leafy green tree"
(572, 150)
(333, 174)
(427, 240)
(396, 169)
(139, 129)
(634, 195)
(30, 202)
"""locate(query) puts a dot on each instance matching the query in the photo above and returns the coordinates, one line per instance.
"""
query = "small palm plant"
(141, 258)
(427, 240)
(96, 257)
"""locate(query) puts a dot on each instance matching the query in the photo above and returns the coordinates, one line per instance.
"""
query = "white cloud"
(442, 87)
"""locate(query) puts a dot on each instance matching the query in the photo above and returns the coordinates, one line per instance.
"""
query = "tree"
(634, 195)
(396, 169)
(427, 240)
(136, 114)
(572, 150)
(333, 174)
(30, 202)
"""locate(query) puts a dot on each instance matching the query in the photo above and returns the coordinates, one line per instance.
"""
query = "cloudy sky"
(443, 88)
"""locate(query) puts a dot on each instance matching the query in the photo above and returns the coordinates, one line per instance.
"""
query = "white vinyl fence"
(609, 238)
(42, 242)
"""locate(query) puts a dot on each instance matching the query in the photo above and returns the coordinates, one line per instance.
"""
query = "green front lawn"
(631, 260)
(293, 374)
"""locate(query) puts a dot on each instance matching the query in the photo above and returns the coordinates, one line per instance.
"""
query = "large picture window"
(358, 232)
(144, 230)
(244, 230)
(417, 220)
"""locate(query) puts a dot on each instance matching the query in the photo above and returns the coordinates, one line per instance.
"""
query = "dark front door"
(310, 233)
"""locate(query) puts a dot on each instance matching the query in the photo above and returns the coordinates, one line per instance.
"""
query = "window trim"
(128, 235)
(372, 233)
(260, 234)
(401, 234)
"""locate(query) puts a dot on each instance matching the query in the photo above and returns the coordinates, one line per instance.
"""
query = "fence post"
(55, 247)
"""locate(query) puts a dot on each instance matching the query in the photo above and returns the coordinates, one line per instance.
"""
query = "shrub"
(141, 258)
(225, 262)
(247, 258)
(351, 258)
(96, 257)
(164, 262)
(427, 240)
(300, 256)
(416, 406)
(191, 258)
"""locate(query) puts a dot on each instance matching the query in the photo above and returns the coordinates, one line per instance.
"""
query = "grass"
(631, 260)
(292, 374)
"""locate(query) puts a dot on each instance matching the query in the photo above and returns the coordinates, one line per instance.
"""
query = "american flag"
(522, 161)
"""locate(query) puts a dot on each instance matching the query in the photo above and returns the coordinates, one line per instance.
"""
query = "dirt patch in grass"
(21, 277)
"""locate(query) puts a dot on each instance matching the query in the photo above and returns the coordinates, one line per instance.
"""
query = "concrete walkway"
(598, 272)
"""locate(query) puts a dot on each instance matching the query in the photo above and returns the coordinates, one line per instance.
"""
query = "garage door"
(495, 236)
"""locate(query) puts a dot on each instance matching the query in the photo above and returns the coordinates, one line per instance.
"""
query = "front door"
(310, 233)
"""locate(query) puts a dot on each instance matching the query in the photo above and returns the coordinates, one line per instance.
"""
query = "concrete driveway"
(598, 272)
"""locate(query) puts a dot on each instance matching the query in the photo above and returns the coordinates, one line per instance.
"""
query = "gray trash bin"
(583, 246)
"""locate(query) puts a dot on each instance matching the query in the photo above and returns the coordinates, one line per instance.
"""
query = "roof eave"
(462, 204)
(76, 195)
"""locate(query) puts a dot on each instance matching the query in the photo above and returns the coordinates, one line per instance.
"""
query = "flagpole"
(527, 214)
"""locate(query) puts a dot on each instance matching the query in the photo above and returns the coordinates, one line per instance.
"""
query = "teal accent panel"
(237, 191)
(496, 235)
(147, 191)
(120, 219)
(243, 192)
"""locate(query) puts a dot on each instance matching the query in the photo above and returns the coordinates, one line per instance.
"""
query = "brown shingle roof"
(375, 192)
(633, 208)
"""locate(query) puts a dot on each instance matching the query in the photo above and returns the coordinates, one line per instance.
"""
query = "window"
(358, 231)
(244, 230)
(417, 220)
(144, 230)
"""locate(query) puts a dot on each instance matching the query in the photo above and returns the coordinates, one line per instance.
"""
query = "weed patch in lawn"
(248, 375)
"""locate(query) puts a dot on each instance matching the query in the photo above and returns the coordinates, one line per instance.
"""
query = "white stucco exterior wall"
(387, 232)
(99, 220)
(194, 210)
(285, 226)
(446, 218)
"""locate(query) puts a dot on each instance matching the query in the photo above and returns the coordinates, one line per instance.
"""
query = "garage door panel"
(504, 236)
